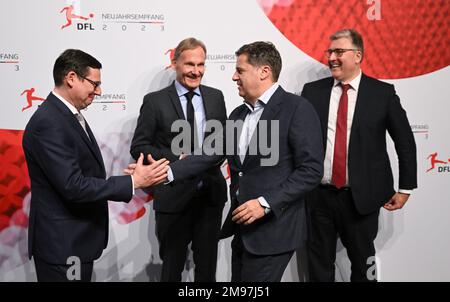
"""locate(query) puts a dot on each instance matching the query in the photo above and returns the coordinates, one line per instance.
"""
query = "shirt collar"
(65, 102)
(354, 84)
(181, 90)
(264, 98)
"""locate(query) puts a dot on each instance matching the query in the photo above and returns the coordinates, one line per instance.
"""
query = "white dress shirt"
(250, 123)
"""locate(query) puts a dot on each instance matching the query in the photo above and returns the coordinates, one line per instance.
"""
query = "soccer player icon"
(70, 15)
(30, 98)
(434, 161)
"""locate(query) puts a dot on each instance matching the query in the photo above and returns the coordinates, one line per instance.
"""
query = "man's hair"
(262, 53)
(188, 43)
(73, 60)
(354, 37)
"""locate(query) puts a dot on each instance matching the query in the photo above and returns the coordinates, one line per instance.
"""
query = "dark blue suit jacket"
(69, 210)
(284, 185)
(153, 135)
(378, 111)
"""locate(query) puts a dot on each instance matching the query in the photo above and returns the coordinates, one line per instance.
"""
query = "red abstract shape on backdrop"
(403, 38)
(14, 180)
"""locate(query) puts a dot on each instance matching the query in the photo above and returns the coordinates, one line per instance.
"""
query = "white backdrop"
(131, 39)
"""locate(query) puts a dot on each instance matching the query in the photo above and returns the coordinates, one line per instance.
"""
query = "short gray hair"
(354, 37)
(188, 43)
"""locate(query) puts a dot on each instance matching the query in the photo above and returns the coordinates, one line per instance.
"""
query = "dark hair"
(263, 53)
(73, 60)
(188, 43)
(354, 37)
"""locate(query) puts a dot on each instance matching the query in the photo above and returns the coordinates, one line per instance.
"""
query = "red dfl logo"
(171, 52)
(30, 98)
(434, 161)
(70, 16)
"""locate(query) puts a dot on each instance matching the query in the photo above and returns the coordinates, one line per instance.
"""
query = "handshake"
(148, 175)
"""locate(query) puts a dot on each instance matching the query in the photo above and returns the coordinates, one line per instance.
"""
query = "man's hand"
(396, 202)
(248, 212)
(149, 175)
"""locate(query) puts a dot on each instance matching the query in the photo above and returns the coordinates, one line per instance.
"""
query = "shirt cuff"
(132, 184)
(263, 202)
(405, 191)
(169, 176)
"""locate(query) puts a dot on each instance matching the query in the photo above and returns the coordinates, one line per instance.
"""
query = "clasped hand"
(148, 175)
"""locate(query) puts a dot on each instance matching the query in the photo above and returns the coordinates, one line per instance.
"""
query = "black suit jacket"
(377, 110)
(69, 192)
(284, 185)
(153, 136)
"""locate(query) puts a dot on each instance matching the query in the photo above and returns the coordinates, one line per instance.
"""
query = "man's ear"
(264, 72)
(70, 78)
(173, 64)
(358, 56)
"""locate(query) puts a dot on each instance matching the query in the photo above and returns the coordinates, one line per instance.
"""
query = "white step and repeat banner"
(407, 45)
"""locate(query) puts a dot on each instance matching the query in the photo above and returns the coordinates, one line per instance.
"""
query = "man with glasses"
(355, 111)
(68, 224)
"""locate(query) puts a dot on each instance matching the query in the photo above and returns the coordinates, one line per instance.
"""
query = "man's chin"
(192, 84)
(337, 74)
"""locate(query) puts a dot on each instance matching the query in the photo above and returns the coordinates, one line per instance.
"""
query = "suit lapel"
(270, 112)
(323, 107)
(238, 115)
(175, 99)
(361, 102)
(95, 147)
(72, 120)
(208, 103)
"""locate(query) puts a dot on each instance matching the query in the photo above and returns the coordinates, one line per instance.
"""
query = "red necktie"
(340, 142)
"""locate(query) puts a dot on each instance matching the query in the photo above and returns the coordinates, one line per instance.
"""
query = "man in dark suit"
(355, 112)
(267, 215)
(191, 210)
(68, 225)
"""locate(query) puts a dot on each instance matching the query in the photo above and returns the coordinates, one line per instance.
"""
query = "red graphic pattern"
(14, 180)
(410, 39)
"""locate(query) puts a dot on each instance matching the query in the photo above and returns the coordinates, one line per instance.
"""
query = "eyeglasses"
(94, 83)
(338, 51)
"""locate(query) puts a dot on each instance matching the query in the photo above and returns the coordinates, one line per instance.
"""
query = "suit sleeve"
(194, 165)
(400, 131)
(55, 153)
(305, 92)
(305, 139)
(145, 134)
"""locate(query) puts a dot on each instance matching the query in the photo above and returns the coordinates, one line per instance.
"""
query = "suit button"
(241, 174)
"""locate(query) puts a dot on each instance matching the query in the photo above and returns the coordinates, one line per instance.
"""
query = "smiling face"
(248, 79)
(346, 67)
(190, 67)
(82, 92)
